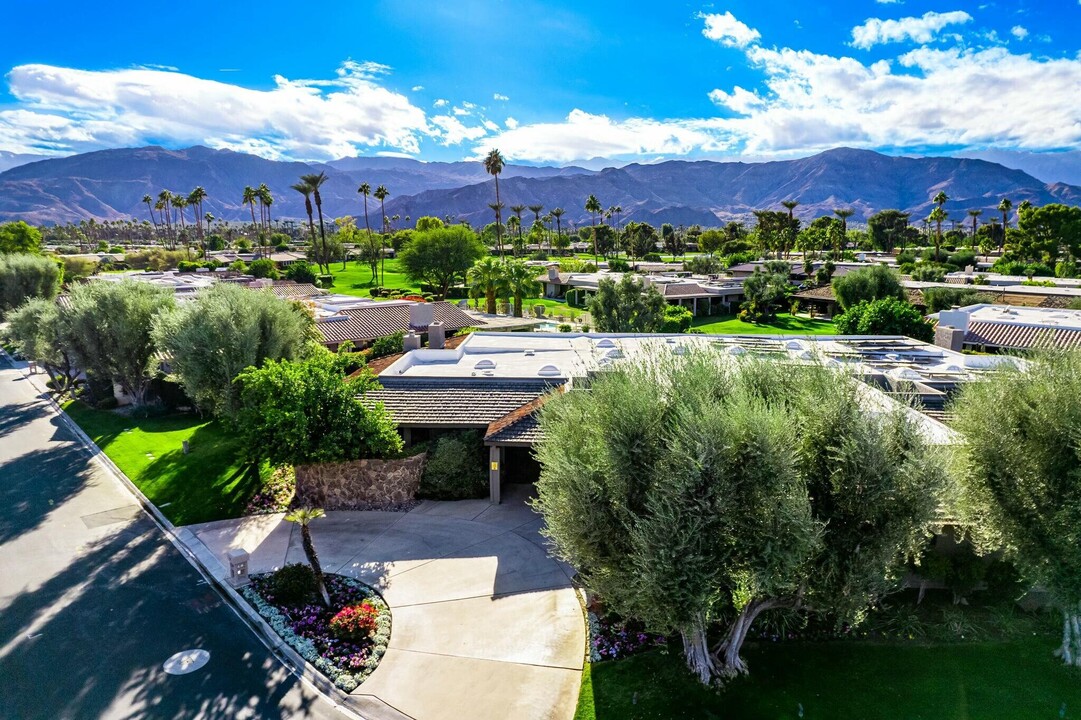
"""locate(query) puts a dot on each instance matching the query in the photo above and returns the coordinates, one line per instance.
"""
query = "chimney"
(954, 318)
(553, 273)
(950, 338)
(420, 316)
(436, 336)
(411, 342)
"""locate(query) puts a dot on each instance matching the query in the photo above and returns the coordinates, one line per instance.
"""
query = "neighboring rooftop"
(455, 402)
(375, 320)
(999, 327)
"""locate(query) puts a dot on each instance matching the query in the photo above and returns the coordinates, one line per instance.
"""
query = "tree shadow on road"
(89, 642)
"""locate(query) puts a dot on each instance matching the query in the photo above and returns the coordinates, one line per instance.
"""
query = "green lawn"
(356, 279)
(784, 323)
(845, 680)
(209, 483)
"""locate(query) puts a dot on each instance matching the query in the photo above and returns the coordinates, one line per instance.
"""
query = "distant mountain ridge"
(110, 184)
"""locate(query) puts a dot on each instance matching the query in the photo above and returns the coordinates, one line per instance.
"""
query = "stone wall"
(359, 484)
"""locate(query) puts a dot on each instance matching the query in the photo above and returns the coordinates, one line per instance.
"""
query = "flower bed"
(347, 658)
(611, 638)
(276, 493)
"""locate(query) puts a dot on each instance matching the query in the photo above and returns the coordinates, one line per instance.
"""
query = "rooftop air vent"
(737, 350)
(614, 354)
(549, 371)
(680, 350)
(530, 353)
(606, 343)
(484, 364)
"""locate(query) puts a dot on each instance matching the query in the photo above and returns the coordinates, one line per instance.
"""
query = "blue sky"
(545, 81)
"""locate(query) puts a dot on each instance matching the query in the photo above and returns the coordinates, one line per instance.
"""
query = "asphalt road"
(93, 598)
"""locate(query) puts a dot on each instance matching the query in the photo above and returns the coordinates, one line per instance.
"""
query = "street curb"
(292, 661)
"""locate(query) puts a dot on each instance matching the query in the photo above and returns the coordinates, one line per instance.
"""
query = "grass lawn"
(356, 279)
(209, 483)
(846, 680)
(784, 323)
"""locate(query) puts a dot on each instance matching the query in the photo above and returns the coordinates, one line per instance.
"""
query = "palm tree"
(381, 194)
(521, 280)
(593, 207)
(791, 205)
(305, 189)
(195, 199)
(488, 274)
(303, 517)
(517, 210)
(209, 219)
(149, 201)
(266, 200)
(365, 189)
(557, 213)
(315, 181)
(1004, 207)
(975, 213)
(165, 198)
(248, 198)
(937, 216)
(844, 214)
(493, 165)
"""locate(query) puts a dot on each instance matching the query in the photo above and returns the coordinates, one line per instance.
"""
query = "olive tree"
(870, 283)
(224, 330)
(110, 325)
(24, 276)
(695, 493)
(41, 331)
(1020, 470)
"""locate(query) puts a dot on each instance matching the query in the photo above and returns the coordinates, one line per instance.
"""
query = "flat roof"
(1058, 318)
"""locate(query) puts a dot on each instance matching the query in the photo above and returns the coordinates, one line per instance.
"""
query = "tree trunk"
(696, 651)
(313, 560)
(731, 664)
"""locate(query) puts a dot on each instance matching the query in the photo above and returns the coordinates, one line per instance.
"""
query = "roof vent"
(680, 350)
(549, 371)
(737, 350)
(614, 354)
(530, 353)
(484, 364)
(606, 343)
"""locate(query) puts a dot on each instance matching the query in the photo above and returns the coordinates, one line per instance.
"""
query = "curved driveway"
(485, 624)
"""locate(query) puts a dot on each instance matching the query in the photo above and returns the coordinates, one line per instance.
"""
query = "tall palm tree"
(365, 189)
(521, 280)
(1004, 207)
(487, 275)
(306, 190)
(166, 199)
(518, 210)
(557, 213)
(149, 202)
(209, 219)
(195, 199)
(381, 194)
(974, 214)
(493, 165)
(791, 205)
(938, 216)
(179, 203)
(248, 197)
(844, 214)
(303, 517)
(315, 181)
(536, 210)
(593, 207)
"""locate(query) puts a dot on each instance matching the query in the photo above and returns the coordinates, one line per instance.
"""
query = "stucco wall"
(359, 484)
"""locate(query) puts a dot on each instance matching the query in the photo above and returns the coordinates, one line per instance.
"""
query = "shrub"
(618, 265)
(455, 468)
(961, 259)
(301, 272)
(906, 257)
(78, 268)
(116, 249)
(1066, 269)
(929, 272)
(867, 284)
(652, 257)
(702, 265)
(677, 319)
(294, 584)
(564, 327)
(355, 622)
(67, 250)
(387, 345)
(325, 281)
(1039, 270)
(24, 276)
(942, 298)
(1008, 267)
(264, 268)
(886, 316)
(238, 266)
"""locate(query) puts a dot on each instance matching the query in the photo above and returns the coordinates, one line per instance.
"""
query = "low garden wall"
(367, 484)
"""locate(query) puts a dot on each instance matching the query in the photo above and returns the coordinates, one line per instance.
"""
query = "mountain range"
(110, 184)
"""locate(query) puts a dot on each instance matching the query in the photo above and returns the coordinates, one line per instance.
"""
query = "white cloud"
(64, 110)
(1019, 32)
(890, 2)
(511, 123)
(453, 131)
(418, 88)
(491, 126)
(501, 97)
(727, 30)
(441, 102)
(875, 31)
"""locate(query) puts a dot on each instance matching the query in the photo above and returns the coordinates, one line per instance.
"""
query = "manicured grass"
(209, 483)
(845, 680)
(356, 279)
(784, 323)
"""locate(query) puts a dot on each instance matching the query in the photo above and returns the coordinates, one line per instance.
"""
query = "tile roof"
(294, 291)
(378, 320)
(822, 292)
(1011, 335)
(682, 290)
(453, 403)
(521, 426)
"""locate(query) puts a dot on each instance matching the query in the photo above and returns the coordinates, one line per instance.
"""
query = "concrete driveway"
(485, 623)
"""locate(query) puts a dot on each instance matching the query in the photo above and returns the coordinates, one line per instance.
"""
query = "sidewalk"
(485, 624)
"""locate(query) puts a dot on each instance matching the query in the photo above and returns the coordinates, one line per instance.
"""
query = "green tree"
(40, 331)
(593, 206)
(1004, 207)
(24, 276)
(764, 291)
(887, 228)
(626, 306)
(886, 316)
(315, 181)
(656, 485)
(439, 257)
(18, 237)
(844, 214)
(493, 165)
(870, 283)
(1021, 475)
(111, 325)
(303, 518)
(222, 331)
(263, 268)
(301, 272)
(305, 189)
(487, 276)
(677, 319)
(429, 223)
(1044, 230)
(521, 282)
(295, 412)
(381, 194)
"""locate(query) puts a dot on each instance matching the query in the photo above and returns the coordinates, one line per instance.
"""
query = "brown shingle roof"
(296, 291)
(1020, 337)
(823, 292)
(381, 319)
(521, 425)
(471, 402)
(682, 290)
